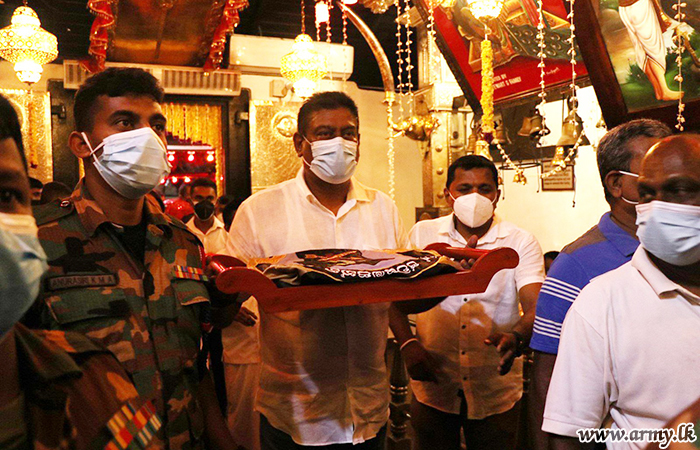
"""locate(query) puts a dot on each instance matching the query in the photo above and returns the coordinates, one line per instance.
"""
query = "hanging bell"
(500, 135)
(533, 126)
(559, 158)
(482, 149)
(519, 177)
(473, 137)
(572, 130)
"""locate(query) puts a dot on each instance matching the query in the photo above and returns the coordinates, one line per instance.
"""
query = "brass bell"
(473, 137)
(482, 149)
(500, 136)
(572, 128)
(520, 177)
(533, 126)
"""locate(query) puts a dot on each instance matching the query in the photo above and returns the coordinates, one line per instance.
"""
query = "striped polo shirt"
(602, 248)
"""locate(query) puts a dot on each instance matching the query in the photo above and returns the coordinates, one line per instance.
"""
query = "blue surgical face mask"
(334, 159)
(133, 163)
(22, 264)
(670, 231)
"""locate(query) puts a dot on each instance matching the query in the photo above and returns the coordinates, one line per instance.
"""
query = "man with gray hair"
(604, 247)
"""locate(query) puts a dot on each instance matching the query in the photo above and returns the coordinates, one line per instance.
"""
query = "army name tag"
(82, 280)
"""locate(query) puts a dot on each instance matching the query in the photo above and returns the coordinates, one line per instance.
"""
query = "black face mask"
(204, 210)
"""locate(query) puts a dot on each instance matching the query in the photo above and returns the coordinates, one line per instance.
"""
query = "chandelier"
(303, 67)
(485, 9)
(27, 45)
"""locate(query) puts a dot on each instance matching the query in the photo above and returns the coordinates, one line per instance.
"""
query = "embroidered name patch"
(190, 273)
(82, 280)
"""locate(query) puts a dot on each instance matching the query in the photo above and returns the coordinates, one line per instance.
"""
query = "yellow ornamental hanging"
(487, 87)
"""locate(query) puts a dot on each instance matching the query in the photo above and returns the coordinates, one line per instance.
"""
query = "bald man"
(629, 342)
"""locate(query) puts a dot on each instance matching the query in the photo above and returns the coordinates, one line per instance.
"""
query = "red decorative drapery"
(99, 36)
(229, 20)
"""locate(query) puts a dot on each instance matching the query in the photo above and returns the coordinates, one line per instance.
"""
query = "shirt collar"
(662, 286)
(357, 191)
(92, 216)
(495, 232)
(215, 226)
(624, 242)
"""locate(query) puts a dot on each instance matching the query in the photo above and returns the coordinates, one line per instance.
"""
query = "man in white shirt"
(462, 359)
(204, 224)
(629, 342)
(323, 380)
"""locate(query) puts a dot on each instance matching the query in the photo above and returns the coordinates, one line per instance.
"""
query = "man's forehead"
(333, 117)
(673, 157)
(141, 103)
(476, 175)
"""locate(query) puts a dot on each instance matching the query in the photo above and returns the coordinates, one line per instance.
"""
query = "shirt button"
(464, 378)
(466, 299)
(464, 327)
(463, 352)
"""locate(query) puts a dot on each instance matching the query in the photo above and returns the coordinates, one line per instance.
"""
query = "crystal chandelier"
(27, 45)
(303, 67)
(485, 9)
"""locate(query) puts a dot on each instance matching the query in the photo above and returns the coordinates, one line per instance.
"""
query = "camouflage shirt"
(146, 313)
(61, 374)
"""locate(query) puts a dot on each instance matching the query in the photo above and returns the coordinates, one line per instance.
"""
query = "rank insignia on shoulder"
(190, 273)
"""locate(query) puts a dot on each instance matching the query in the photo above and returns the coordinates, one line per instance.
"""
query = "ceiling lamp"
(485, 9)
(323, 14)
(303, 67)
(27, 45)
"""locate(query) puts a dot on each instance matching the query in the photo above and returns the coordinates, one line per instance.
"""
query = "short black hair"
(470, 162)
(551, 255)
(613, 151)
(35, 184)
(113, 82)
(183, 189)
(230, 210)
(10, 127)
(322, 101)
(203, 182)
(224, 200)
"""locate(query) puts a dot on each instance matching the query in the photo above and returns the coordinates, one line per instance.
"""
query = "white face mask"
(133, 162)
(334, 159)
(23, 263)
(473, 210)
(670, 231)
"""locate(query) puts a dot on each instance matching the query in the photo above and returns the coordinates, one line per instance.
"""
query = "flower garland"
(678, 39)
(487, 87)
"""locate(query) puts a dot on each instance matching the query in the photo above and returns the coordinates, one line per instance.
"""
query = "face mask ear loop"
(87, 141)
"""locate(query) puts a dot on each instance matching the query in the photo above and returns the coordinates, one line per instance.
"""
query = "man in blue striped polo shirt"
(604, 247)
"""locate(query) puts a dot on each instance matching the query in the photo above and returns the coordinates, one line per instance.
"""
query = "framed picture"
(514, 39)
(562, 181)
(629, 49)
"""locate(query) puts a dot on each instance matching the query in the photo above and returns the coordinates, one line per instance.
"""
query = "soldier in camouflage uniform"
(60, 390)
(120, 271)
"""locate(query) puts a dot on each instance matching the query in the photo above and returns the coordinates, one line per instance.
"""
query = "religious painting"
(629, 47)
(514, 40)
(639, 36)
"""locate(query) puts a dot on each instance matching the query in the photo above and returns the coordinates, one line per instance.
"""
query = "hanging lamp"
(27, 45)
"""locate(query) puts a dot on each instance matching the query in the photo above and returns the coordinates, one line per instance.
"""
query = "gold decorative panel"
(34, 111)
(198, 123)
(272, 155)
